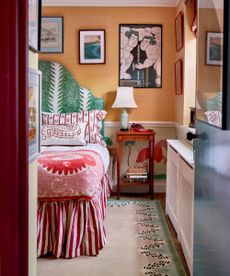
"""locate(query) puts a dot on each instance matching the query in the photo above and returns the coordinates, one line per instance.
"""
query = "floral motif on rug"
(155, 241)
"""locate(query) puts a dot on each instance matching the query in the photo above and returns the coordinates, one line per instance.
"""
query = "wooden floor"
(161, 197)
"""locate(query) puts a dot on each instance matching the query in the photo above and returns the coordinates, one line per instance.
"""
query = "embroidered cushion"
(94, 118)
(214, 117)
(72, 134)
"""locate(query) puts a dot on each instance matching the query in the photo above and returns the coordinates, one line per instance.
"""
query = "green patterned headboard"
(61, 93)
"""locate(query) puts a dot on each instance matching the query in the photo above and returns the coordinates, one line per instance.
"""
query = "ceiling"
(111, 3)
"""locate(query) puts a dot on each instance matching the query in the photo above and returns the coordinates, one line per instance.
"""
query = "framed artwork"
(34, 88)
(52, 34)
(140, 47)
(179, 31)
(92, 47)
(178, 67)
(34, 28)
(214, 48)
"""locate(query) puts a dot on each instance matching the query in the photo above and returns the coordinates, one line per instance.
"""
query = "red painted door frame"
(13, 139)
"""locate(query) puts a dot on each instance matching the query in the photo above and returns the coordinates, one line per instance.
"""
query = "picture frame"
(179, 31)
(140, 47)
(34, 25)
(178, 69)
(92, 47)
(52, 29)
(214, 48)
(34, 102)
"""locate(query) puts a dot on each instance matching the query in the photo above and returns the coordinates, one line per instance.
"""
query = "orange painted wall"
(179, 100)
(188, 55)
(209, 76)
(153, 104)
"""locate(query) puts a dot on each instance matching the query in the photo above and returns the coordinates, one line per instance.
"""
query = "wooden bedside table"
(137, 136)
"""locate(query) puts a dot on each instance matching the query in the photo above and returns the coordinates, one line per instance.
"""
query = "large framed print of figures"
(140, 63)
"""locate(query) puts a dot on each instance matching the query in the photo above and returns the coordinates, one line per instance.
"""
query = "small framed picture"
(179, 31)
(92, 46)
(34, 22)
(34, 90)
(214, 48)
(178, 67)
(52, 34)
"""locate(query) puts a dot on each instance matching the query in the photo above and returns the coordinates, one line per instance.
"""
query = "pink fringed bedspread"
(72, 195)
(69, 174)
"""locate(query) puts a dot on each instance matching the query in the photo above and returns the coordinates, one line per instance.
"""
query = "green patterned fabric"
(61, 93)
(215, 103)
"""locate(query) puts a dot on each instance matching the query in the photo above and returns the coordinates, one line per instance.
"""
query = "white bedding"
(103, 151)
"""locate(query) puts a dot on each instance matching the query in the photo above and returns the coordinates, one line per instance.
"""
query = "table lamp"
(124, 99)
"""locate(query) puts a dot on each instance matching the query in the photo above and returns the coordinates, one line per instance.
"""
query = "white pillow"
(72, 134)
(94, 119)
(214, 117)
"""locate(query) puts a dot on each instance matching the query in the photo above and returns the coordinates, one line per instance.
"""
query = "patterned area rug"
(155, 245)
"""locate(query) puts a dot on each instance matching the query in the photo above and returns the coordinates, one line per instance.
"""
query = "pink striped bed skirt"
(75, 227)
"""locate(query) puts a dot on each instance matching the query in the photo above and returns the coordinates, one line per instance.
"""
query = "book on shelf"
(136, 170)
(135, 179)
(137, 176)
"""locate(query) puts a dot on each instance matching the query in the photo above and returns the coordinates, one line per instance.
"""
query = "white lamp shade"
(124, 98)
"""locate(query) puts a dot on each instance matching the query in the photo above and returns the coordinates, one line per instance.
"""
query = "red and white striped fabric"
(71, 228)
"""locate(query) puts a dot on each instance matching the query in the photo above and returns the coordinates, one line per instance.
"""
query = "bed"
(73, 179)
